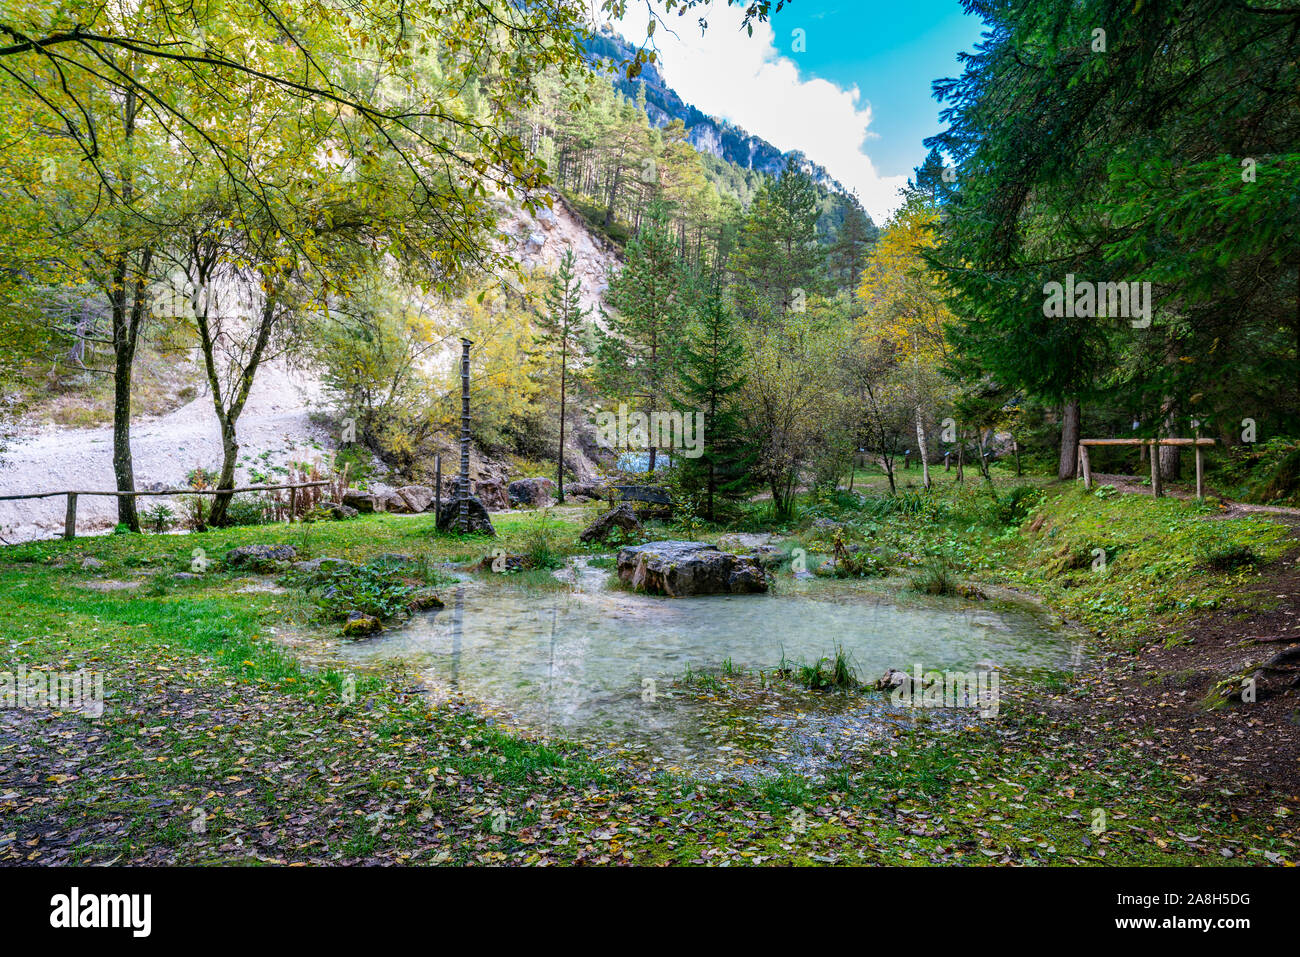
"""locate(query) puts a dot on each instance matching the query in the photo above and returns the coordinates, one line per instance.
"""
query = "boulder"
(530, 491)
(586, 489)
(678, 569)
(423, 600)
(417, 498)
(478, 517)
(359, 625)
(492, 493)
(90, 564)
(258, 556)
(389, 501)
(339, 510)
(623, 517)
(359, 501)
(317, 565)
(380, 498)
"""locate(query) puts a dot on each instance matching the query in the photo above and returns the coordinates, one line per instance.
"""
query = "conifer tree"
(636, 352)
(710, 374)
(562, 326)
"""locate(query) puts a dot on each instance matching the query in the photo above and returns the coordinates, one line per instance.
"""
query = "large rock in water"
(531, 491)
(478, 517)
(678, 569)
(623, 517)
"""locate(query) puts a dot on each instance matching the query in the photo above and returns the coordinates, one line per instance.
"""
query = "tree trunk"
(1171, 461)
(920, 444)
(123, 468)
(564, 361)
(1067, 469)
(228, 416)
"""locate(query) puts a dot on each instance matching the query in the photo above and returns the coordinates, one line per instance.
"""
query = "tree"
(563, 328)
(710, 377)
(637, 350)
(787, 399)
(1169, 158)
(779, 256)
(847, 254)
(905, 309)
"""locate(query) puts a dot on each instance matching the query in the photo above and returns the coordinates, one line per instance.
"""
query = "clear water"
(604, 666)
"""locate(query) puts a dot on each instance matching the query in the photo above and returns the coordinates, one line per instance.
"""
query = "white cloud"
(748, 81)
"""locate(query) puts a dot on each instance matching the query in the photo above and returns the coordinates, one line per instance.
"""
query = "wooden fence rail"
(1157, 490)
(70, 515)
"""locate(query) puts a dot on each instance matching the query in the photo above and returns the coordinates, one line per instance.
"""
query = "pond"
(601, 665)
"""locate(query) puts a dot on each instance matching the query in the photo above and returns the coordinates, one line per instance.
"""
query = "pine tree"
(849, 251)
(779, 254)
(562, 326)
(709, 377)
(635, 354)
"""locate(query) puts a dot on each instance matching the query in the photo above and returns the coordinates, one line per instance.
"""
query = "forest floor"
(217, 745)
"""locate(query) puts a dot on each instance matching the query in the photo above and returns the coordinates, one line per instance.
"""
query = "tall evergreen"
(709, 377)
(636, 351)
(849, 251)
(779, 256)
(563, 327)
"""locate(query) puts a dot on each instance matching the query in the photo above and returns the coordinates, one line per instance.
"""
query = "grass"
(290, 763)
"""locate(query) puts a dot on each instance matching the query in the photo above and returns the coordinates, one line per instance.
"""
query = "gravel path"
(275, 420)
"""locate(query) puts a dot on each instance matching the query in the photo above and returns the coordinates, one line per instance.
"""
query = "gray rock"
(531, 491)
(623, 517)
(259, 555)
(322, 564)
(417, 498)
(364, 502)
(492, 493)
(91, 563)
(478, 517)
(678, 569)
(339, 510)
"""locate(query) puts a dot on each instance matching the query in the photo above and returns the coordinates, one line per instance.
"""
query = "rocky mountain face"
(708, 134)
(539, 241)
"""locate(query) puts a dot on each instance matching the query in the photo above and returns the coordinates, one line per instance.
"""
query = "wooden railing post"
(1156, 490)
(70, 517)
(1200, 469)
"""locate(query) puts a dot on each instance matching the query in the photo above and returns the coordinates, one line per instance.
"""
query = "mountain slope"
(708, 134)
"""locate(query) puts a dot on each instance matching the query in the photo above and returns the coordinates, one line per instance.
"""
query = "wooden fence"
(70, 516)
(1157, 490)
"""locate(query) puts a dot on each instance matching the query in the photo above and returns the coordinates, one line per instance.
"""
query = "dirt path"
(166, 448)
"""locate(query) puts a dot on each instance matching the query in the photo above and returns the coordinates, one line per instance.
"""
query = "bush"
(248, 510)
(158, 518)
(1226, 556)
(541, 543)
(936, 578)
(1014, 507)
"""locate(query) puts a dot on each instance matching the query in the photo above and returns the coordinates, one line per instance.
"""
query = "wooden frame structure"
(1084, 470)
(70, 515)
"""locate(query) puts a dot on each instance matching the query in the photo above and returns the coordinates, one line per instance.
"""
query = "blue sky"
(856, 98)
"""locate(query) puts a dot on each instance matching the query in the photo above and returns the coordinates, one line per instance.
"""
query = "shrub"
(1225, 556)
(936, 578)
(158, 518)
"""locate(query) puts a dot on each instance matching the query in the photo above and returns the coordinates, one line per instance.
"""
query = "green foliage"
(936, 577)
(158, 517)
(382, 587)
